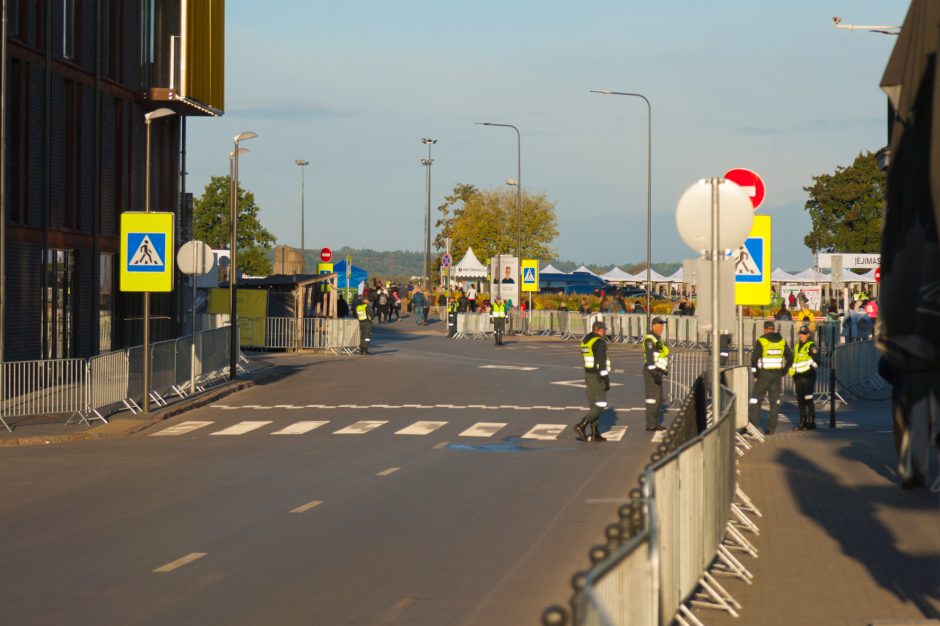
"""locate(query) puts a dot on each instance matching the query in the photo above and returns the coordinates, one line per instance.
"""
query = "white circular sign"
(694, 216)
(195, 258)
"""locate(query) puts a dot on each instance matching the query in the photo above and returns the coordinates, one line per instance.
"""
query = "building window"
(18, 137)
(13, 18)
(105, 301)
(116, 40)
(69, 24)
(73, 154)
(60, 266)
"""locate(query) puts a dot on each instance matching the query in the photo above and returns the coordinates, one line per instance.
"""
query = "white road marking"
(442, 444)
(545, 432)
(299, 428)
(303, 508)
(508, 367)
(658, 436)
(180, 562)
(360, 428)
(421, 428)
(483, 429)
(181, 429)
(241, 428)
(461, 407)
(390, 470)
(579, 383)
(615, 433)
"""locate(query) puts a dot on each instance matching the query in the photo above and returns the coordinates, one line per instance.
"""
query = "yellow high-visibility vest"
(772, 357)
(587, 353)
(660, 356)
(803, 360)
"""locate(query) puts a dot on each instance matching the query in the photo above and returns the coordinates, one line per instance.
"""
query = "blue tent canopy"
(357, 276)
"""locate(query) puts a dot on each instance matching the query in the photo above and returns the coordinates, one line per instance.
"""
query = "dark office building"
(80, 76)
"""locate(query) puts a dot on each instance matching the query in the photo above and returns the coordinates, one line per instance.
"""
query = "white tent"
(655, 277)
(551, 269)
(584, 270)
(677, 276)
(811, 275)
(780, 276)
(851, 277)
(617, 275)
(468, 267)
(869, 276)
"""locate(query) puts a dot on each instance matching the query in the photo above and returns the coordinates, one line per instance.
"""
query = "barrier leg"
(743, 520)
(687, 618)
(746, 503)
(728, 565)
(734, 540)
(711, 598)
(5, 425)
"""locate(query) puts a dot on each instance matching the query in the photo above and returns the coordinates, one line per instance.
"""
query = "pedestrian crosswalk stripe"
(484, 407)
(360, 428)
(421, 428)
(544, 432)
(615, 433)
(299, 428)
(241, 428)
(483, 429)
(181, 429)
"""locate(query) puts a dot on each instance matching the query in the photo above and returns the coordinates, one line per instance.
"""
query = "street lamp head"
(235, 153)
(245, 135)
(606, 92)
(158, 114)
(427, 161)
(428, 140)
(512, 182)
(301, 162)
(483, 123)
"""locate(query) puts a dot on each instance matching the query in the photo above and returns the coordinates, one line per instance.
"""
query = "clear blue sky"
(352, 87)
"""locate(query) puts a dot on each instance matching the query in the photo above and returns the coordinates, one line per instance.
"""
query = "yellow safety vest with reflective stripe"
(499, 309)
(803, 360)
(772, 355)
(661, 356)
(362, 312)
(587, 352)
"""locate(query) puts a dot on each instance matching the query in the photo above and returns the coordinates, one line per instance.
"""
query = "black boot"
(595, 434)
(579, 428)
(802, 424)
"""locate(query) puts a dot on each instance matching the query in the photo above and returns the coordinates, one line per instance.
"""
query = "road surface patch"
(545, 432)
(241, 428)
(300, 428)
(360, 428)
(303, 508)
(181, 429)
(483, 429)
(388, 471)
(420, 428)
(180, 562)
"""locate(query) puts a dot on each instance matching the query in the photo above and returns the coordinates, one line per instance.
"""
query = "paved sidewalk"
(840, 542)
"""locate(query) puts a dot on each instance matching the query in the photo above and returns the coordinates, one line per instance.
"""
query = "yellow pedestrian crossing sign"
(530, 275)
(146, 252)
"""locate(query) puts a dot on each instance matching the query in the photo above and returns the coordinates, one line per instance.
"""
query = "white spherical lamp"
(694, 216)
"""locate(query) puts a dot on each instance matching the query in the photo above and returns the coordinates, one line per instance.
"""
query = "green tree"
(846, 208)
(212, 225)
(488, 222)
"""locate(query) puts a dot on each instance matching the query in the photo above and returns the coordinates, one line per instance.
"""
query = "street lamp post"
(518, 186)
(148, 117)
(233, 250)
(303, 249)
(427, 220)
(649, 190)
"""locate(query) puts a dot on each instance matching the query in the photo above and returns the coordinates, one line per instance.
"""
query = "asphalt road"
(256, 510)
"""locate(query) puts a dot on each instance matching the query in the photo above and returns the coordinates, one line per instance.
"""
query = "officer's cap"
(598, 324)
(659, 320)
(805, 330)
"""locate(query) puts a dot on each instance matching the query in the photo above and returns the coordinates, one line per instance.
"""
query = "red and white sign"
(750, 182)
(326, 255)
(877, 274)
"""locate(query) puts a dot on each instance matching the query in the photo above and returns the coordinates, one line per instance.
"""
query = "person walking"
(656, 365)
(597, 380)
(420, 304)
(498, 314)
(472, 298)
(364, 315)
(770, 360)
(805, 363)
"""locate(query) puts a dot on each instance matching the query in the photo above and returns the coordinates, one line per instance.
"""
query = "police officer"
(364, 315)
(805, 362)
(770, 360)
(453, 307)
(656, 366)
(597, 380)
(499, 319)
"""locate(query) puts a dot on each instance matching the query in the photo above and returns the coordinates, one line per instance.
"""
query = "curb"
(139, 425)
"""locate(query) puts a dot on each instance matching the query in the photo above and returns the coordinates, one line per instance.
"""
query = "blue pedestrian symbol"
(147, 252)
(528, 275)
(749, 261)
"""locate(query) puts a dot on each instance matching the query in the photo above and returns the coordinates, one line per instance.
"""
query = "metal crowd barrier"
(675, 532)
(856, 365)
(472, 325)
(338, 336)
(51, 387)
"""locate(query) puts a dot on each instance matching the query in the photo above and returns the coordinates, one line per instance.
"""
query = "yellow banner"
(252, 307)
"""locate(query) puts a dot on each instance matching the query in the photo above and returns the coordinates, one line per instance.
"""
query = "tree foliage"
(212, 225)
(488, 221)
(846, 208)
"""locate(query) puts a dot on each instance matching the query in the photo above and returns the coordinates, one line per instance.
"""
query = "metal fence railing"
(50, 387)
(676, 529)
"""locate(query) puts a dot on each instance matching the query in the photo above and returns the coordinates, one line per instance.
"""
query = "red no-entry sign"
(877, 274)
(326, 255)
(748, 180)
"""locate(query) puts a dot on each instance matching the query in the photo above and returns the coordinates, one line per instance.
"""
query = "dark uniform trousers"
(365, 335)
(596, 395)
(499, 329)
(805, 385)
(768, 383)
(654, 399)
